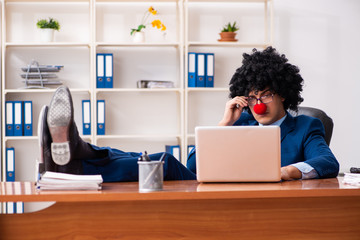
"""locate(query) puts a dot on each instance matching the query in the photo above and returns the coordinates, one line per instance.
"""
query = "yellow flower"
(152, 10)
(163, 27)
(156, 23)
(144, 22)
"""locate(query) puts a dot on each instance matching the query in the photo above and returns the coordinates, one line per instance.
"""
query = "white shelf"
(131, 44)
(228, 44)
(141, 1)
(21, 138)
(50, 44)
(153, 136)
(198, 89)
(32, 138)
(117, 90)
(228, 1)
(47, 90)
(46, 1)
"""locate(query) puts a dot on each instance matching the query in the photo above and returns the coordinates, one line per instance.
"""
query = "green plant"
(51, 23)
(230, 28)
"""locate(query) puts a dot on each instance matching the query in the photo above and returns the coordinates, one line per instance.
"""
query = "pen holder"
(151, 175)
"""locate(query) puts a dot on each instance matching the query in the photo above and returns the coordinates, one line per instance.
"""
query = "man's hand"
(290, 173)
(233, 110)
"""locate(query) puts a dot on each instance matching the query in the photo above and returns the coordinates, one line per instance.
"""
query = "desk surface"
(189, 210)
(182, 190)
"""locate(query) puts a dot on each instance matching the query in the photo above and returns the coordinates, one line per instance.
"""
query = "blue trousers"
(117, 166)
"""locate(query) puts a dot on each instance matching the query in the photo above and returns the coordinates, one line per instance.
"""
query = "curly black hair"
(268, 69)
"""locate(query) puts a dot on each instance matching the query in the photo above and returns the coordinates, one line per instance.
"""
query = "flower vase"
(139, 37)
(47, 34)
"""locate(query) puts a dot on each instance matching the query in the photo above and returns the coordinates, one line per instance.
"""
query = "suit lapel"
(287, 126)
(253, 122)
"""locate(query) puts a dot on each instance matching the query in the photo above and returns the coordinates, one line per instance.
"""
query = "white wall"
(322, 38)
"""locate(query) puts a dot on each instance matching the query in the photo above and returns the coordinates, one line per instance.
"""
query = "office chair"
(317, 113)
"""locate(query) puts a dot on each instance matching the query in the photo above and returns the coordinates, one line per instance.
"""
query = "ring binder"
(100, 117)
(9, 118)
(192, 69)
(86, 117)
(28, 118)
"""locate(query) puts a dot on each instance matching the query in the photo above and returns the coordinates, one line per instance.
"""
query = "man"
(266, 85)
(63, 150)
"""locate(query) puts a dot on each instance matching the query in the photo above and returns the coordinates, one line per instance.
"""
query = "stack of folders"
(11, 207)
(201, 69)
(104, 70)
(64, 181)
(37, 76)
(352, 179)
(18, 118)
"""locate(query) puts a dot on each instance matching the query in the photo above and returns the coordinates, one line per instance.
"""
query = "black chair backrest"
(317, 113)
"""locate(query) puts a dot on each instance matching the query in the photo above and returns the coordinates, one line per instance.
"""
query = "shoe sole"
(59, 118)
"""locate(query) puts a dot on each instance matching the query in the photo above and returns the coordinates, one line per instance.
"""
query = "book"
(352, 179)
(64, 181)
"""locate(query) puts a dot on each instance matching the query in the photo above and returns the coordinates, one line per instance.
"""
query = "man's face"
(274, 103)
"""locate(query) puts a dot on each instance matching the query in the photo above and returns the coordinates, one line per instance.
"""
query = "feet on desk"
(58, 135)
(59, 117)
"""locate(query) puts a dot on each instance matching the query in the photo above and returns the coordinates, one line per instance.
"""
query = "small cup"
(151, 176)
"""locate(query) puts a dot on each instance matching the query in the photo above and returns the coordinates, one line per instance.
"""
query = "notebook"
(238, 154)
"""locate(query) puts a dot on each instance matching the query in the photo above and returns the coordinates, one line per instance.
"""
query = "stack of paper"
(352, 179)
(64, 181)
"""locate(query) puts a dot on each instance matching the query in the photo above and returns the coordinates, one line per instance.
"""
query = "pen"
(146, 157)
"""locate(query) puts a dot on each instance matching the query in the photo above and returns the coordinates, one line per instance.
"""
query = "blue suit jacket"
(302, 140)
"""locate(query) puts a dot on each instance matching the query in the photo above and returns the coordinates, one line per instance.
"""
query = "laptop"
(238, 154)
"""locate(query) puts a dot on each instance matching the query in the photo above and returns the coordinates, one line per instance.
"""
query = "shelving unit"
(136, 119)
(205, 106)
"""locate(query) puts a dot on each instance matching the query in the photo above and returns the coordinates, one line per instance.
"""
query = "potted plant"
(48, 28)
(228, 33)
(138, 32)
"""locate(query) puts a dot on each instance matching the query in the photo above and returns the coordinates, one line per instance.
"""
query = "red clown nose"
(260, 108)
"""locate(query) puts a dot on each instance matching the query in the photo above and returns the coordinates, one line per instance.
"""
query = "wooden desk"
(309, 209)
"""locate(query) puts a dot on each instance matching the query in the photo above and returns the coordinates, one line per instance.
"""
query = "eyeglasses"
(267, 98)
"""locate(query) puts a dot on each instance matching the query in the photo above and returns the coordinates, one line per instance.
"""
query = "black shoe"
(68, 150)
(45, 163)
(59, 118)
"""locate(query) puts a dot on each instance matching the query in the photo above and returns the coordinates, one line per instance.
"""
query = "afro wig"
(268, 69)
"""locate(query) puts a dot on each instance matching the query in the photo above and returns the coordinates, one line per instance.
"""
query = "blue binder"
(109, 66)
(190, 148)
(191, 69)
(173, 150)
(28, 118)
(210, 67)
(9, 121)
(201, 68)
(10, 164)
(100, 117)
(100, 70)
(18, 118)
(86, 117)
